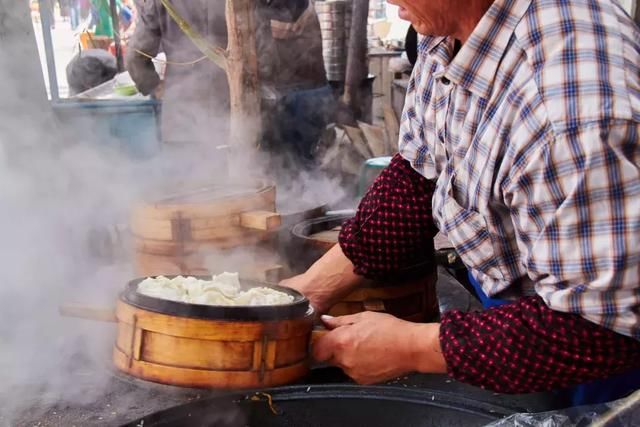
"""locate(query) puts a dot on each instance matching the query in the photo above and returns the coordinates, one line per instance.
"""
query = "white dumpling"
(213, 298)
(263, 296)
(223, 290)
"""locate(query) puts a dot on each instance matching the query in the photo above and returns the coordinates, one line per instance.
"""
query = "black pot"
(304, 250)
(330, 406)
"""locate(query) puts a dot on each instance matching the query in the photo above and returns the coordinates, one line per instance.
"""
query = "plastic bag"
(621, 413)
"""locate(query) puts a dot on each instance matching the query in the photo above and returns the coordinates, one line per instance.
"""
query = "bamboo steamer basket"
(414, 301)
(174, 235)
(218, 347)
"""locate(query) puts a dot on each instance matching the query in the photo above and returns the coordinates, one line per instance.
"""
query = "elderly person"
(519, 138)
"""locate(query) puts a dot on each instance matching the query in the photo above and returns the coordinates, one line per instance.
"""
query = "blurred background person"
(65, 12)
(74, 13)
(90, 68)
(298, 100)
(127, 16)
(85, 9)
(194, 93)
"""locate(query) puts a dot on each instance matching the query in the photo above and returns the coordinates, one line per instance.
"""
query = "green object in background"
(104, 26)
(370, 171)
(125, 90)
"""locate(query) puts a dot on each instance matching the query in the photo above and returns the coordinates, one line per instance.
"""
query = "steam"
(57, 186)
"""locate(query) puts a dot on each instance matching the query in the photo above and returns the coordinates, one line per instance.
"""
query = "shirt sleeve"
(575, 205)
(526, 347)
(146, 39)
(391, 236)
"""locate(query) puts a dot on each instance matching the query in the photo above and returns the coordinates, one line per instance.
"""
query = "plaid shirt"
(531, 134)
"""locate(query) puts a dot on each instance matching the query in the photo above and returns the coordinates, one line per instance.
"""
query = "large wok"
(329, 405)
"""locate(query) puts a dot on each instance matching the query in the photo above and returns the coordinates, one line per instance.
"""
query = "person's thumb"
(335, 322)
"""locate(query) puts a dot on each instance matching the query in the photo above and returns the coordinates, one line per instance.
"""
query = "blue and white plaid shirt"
(532, 134)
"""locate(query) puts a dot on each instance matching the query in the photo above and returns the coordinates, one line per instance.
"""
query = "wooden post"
(242, 75)
(357, 69)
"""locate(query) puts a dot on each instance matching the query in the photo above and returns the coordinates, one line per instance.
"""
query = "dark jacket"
(289, 45)
(196, 96)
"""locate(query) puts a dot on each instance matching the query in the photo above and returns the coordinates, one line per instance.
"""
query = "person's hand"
(374, 347)
(158, 92)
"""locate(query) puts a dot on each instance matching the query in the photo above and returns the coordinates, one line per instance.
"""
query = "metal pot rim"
(299, 308)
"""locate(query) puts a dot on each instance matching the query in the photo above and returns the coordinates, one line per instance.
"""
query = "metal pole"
(357, 60)
(116, 35)
(46, 14)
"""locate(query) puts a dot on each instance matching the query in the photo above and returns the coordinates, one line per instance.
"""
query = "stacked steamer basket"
(335, 25)
(190, 232)
(193, 345)
(414, 300)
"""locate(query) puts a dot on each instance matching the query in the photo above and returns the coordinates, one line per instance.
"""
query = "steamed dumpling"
(223, 289)
(160, 287)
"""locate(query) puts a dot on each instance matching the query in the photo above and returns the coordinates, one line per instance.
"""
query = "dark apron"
(296, 123)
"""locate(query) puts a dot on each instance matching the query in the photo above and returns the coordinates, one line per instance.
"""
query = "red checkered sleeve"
(526, 347)
(391, 236)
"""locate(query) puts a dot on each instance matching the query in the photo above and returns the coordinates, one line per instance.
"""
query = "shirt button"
(445, 81)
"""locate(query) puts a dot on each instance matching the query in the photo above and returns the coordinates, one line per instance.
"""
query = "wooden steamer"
(212, 346)
(177, 234)
(414, 301)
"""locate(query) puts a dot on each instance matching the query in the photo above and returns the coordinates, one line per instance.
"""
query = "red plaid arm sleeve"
(391, 236)
(527, 347)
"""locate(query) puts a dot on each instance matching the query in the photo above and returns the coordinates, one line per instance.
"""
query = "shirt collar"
(430, 44)
(476, 65)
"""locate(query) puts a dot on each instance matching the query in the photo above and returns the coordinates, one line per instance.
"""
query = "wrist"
(325, 288)
(334, 270)
(424, 353)
(329, 280)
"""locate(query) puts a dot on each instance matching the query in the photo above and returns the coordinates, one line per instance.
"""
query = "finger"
(325, 348)
(358, 377)
(335, 322)
(365, 380)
